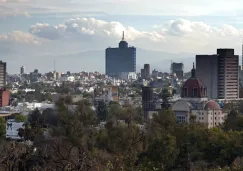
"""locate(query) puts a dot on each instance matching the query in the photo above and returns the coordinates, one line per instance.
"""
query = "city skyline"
(35, 33)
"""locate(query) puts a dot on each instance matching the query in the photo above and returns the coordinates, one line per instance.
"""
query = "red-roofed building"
(194, 102)
(4, 97)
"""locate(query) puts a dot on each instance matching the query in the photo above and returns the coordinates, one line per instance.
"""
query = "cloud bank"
(43, 41)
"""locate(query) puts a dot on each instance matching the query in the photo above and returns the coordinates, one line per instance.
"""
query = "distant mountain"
(95, 60)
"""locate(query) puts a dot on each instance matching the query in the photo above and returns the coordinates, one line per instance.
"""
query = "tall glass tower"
(120, 60)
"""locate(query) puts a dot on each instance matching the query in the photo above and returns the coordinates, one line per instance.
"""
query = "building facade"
(147, 101)
(194, 104)
(178, 69)
(220, 74)
(4, 97)
(228, 74)
(146, 71)
(3, 74)
(22, 70)
(121, 59)
(207, 71)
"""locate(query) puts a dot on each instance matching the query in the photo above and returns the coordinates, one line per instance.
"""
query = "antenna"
(123, 36)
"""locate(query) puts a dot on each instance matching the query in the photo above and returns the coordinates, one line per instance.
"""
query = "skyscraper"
(3, 74)
(146, 71)
(121, 59)
(178, 69)
(207, 71)
(228, 74)
(22, 70)
(219, 73)
(147, 100)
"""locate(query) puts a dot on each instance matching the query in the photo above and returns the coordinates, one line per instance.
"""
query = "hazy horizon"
(34, 33)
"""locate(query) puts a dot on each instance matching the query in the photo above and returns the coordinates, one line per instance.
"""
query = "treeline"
(72, 139)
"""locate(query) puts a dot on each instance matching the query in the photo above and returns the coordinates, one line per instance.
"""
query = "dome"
(193, 87)
(212, 105)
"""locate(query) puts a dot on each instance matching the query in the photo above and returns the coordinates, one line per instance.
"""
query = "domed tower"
(194, 89)
(123, 43)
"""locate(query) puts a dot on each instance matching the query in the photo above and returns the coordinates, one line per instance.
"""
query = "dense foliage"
(71, 138)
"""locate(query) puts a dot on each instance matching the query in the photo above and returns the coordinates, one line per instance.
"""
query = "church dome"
(212, 105)
(193, 87)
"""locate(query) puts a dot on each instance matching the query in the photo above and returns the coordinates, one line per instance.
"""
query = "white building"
(194, 103)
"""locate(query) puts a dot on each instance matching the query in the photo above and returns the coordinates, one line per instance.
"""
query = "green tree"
(2, 127)
(165, 95)
(21, 118)
(102, 111)
(161, 154)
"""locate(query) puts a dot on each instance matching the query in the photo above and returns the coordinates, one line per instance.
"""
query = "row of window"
(209, 113)
(201, 118)
(195, 92)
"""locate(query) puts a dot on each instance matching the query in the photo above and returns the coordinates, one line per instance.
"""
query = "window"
(205, 92)
(202, 118)
(181, 119)
(195, 92)
(185, 91)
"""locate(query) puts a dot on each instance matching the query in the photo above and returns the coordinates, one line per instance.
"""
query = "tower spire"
(193, 71)
(123, 36)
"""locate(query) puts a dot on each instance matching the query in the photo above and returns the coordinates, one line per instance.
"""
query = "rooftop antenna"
(123, 36)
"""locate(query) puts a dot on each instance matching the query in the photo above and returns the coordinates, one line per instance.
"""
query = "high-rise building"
(228, 74)
(220, 73)
(142, 73)
(22, 70)
(3, 74)
(121, 59)
(146, 71)
(178, 69)
(147, 100)
(207, 71)
(4, 97)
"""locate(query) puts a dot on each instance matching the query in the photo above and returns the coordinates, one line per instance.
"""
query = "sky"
(34, 33)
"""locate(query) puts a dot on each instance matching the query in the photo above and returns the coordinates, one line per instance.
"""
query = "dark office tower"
(178, 69)
(242, 57)
(3, 74)
(228, 74)
(219, 73)
(121, 59)
(22, 70)
(142, 73)
(147, 100)
(207, 72)
(146, 71)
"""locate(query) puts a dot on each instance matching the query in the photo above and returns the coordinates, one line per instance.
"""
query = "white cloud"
(81, 34)
(174, 36)
(91, 26)
(20, 37)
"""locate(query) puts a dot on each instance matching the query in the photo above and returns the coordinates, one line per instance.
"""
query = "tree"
(2, 127)
(102, 111)
(21, 118)
(49, 117)
(161, 154)
(165, 95)
(231, 121)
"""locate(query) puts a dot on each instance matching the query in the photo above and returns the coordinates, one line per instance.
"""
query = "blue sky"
(37, 32)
